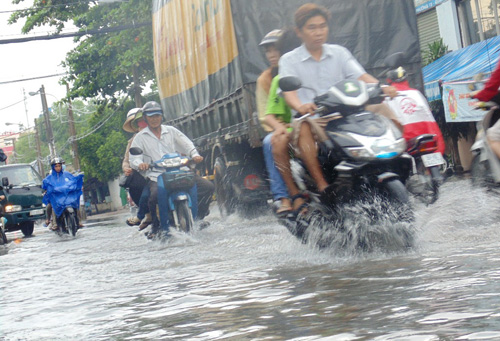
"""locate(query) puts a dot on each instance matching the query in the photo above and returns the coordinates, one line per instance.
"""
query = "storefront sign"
(458, 107)
(424, 5)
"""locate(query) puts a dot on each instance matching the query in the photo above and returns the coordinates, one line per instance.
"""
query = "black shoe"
(204, 224)
(328, 195)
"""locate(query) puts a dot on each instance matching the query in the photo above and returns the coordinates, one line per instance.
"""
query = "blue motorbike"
(177, 191)
(65, 201)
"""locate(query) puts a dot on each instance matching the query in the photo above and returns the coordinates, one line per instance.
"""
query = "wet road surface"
(251, 279)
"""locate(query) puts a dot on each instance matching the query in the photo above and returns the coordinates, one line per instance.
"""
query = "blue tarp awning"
(461, 65)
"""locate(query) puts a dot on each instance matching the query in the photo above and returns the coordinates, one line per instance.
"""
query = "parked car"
(22, 187)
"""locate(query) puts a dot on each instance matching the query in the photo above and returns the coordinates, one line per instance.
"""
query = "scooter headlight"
(173, 162)
(386, 148)
(359, 153)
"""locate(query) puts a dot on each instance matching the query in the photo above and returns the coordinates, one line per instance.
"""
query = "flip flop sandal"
(303, 208)
(284, 209)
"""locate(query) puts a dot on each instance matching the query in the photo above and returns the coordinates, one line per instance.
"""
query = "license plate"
(433, 159)
(36, 212)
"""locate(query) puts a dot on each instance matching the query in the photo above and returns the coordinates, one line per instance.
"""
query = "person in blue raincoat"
(63, 189)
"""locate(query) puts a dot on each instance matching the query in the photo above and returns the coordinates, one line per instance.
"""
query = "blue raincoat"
(63, 190)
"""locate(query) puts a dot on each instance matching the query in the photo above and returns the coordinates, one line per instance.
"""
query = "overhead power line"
(59, 5)
(75, 34)
(32, 78)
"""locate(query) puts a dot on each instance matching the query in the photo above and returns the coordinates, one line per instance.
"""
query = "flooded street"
(251, 279)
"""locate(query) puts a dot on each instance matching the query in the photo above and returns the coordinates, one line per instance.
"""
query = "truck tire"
(27, 228)
(223, 191)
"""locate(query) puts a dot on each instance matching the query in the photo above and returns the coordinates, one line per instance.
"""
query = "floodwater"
(251, 279)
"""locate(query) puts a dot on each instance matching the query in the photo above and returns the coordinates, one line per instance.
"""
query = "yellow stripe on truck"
(192, 40)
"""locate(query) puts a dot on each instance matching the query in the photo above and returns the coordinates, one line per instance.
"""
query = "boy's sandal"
(303, 208)
(284, 209)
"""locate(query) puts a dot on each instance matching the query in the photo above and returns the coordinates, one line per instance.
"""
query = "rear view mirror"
(394, 60)
(135, 151)
(290, 83)
(5, 182)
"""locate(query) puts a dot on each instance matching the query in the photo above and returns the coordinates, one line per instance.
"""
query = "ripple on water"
(251, 279)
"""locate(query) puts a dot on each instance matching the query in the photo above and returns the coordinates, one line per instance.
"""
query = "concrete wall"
(114, 193)
(448, 25)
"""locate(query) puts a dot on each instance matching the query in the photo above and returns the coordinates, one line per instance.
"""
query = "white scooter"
(485, 166)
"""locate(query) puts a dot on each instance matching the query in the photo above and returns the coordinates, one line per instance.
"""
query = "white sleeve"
(184, 144)
(136, 160)
(286, 66)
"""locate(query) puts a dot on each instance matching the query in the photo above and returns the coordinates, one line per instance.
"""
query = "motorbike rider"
(319, 66)
(277, 185)
(489, 93)
(56, 181)
(157, 140)
(3, 157)
(412, 109)
(137, 184)
(272, 53)
(278, 116)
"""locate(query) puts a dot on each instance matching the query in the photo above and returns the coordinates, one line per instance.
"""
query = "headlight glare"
(13, 208)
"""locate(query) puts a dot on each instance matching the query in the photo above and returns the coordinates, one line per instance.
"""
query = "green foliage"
(100, 68)
(52, 13)
(102, 64)
(435, 50)
(110, 156)
(102, 151)
(26, 144)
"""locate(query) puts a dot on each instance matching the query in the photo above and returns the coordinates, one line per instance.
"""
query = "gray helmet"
(152, 108)
(271, 37)
(56, 160)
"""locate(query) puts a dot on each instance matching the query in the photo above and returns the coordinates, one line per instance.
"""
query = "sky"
(28, 60)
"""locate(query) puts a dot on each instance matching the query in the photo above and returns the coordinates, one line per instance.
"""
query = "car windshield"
(21, 176)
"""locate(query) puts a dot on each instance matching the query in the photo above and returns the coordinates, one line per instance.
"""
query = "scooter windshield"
(364, 123)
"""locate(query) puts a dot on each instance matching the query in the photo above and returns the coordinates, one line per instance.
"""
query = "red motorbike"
(428, 164)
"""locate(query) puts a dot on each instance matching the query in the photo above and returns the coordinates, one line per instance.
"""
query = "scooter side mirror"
(5, 182)
(135, 151)
(290, 83)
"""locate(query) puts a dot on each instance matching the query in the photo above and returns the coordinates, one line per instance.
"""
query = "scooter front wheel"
(184, 216)
(479, 171)
(70, 221)
(398, 198)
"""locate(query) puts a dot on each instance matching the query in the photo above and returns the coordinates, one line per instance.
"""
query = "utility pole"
(137, 87)
(72, 132)
(52, 149)
(39, 152)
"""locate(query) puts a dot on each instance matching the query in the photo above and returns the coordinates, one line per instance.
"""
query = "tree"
(102, 65)
(26, 144)
(103, 145)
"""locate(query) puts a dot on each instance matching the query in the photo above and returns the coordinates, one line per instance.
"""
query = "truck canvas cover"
(194, 52)
(207, 49)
